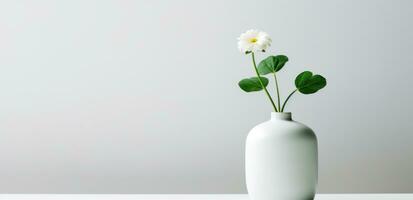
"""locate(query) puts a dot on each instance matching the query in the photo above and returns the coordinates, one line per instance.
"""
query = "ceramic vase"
(281, 160)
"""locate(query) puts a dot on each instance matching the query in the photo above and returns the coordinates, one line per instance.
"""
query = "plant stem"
(278, 91)
(285, 102)
(262, 85)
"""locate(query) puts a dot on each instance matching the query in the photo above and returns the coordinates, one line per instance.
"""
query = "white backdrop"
(142, 97)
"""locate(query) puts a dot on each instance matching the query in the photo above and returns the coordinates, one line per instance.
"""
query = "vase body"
(281, 160)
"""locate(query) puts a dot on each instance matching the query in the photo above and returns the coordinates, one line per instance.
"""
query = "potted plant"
(281, 154)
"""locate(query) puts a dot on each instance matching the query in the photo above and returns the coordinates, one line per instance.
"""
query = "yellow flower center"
(253, 40)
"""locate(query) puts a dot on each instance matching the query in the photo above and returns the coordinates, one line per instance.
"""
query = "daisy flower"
(254, 41)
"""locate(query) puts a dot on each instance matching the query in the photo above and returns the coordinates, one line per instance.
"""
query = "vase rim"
(281, 116)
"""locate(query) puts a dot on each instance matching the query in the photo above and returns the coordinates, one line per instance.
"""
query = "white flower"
(253, 41)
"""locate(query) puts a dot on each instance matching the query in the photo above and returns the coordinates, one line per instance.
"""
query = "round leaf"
(272, 64)
(307, 83)
(252, 84)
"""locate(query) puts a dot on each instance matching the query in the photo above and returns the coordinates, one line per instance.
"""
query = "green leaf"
(252, 84)
(307, 83)
(272, 64)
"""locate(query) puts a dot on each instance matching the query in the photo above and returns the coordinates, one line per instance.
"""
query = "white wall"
(142, 96)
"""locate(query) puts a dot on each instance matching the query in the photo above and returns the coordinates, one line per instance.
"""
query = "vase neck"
(286, 116)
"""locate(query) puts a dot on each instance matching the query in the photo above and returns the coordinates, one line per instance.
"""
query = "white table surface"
(191, 197)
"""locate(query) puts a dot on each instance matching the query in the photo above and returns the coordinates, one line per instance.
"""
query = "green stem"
(278, 91)
(262, 85)
(285, 102)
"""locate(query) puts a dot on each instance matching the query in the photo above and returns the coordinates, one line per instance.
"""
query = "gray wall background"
(142, 96)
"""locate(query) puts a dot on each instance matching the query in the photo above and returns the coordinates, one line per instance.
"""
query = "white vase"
(281, 160)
